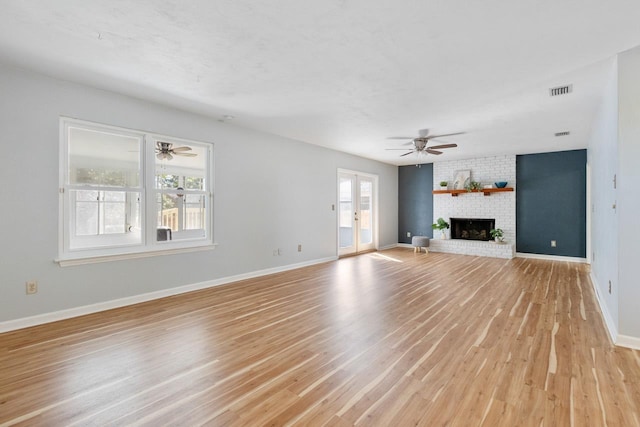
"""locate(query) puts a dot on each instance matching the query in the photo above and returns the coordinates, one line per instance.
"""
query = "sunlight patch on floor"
(385, 257)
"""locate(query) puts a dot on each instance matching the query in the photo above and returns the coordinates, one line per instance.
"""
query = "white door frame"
(374, 208)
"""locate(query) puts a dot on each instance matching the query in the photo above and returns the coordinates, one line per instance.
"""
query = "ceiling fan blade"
(423, 132)
(445, 134)
(185, 154)
(401, 137)
(403, 149)
(406, 154)
(185, 148)
(430, 151)
(437, 147)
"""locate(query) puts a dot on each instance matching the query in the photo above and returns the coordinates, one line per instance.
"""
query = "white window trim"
(69, 262)
(148, 247)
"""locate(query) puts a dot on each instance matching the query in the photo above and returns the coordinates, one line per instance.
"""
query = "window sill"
(69, 262)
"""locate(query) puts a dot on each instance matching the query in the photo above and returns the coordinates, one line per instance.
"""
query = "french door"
(356, 212)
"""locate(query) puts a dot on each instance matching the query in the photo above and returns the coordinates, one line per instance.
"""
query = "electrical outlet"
(275, 252)
(279, 251)
(299, 248)
(32, 287)
(609, 286)
(333, 207)
(408, 234)
(553, 244)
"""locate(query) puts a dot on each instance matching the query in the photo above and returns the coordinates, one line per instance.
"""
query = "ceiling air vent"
(560, 90)
(565, 133)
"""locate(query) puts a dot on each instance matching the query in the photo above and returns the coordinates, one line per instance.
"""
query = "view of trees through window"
(180, 210)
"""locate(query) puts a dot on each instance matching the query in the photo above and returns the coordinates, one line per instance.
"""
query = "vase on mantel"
(443, 235)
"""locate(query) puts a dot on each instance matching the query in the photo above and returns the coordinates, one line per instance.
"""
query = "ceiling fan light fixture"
(166, 151)
(421, 143)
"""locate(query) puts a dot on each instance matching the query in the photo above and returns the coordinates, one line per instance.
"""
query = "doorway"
(357, 212)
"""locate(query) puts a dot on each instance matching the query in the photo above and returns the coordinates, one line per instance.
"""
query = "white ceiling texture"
(344, 74)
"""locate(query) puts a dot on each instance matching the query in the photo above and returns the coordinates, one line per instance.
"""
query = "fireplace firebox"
(472, 228)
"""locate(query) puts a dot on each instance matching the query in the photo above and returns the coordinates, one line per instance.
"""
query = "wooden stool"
(420, 242)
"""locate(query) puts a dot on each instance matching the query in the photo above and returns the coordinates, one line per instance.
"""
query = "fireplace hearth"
(472, 228)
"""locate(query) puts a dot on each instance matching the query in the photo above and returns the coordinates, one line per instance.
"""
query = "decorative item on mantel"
(441, 225)
(498, 235)
(461, 179)
(443, 185)
(500, 184)
(473, 185)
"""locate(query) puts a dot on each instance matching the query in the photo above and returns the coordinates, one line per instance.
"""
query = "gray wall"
(415, 201)
(603, 164)
(628, 196)
(551, 203)
(270, 192)
(614, 151)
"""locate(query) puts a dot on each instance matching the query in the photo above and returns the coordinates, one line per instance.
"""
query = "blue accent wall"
(551, 203)
(415, 201)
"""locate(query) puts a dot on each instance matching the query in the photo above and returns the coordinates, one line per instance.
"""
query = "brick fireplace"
(501, 207)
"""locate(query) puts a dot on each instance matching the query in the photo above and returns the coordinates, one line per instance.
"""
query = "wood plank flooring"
(391, 338)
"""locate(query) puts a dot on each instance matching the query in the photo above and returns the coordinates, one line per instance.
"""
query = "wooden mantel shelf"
(486, 191)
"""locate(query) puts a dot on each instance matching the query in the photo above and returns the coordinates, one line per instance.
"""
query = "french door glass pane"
(346, 213)
(365, 218)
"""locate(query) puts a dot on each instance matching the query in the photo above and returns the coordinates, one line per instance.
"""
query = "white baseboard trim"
(40, 319)
(609, 323)
(552, 257)
(405, 245)
(618, 339)
(629, 342)
(384, 248)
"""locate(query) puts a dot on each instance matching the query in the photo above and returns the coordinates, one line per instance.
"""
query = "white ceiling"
(345, 74)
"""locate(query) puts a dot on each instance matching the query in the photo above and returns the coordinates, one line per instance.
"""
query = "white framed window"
(124, 191)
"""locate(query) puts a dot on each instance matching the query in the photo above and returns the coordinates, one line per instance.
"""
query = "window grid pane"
(103, 158)
(183, 213)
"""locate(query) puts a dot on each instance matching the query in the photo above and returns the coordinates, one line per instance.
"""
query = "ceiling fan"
(166, 151)
(420, 143)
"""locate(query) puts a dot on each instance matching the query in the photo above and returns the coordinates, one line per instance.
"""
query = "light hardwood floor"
(390, 338)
